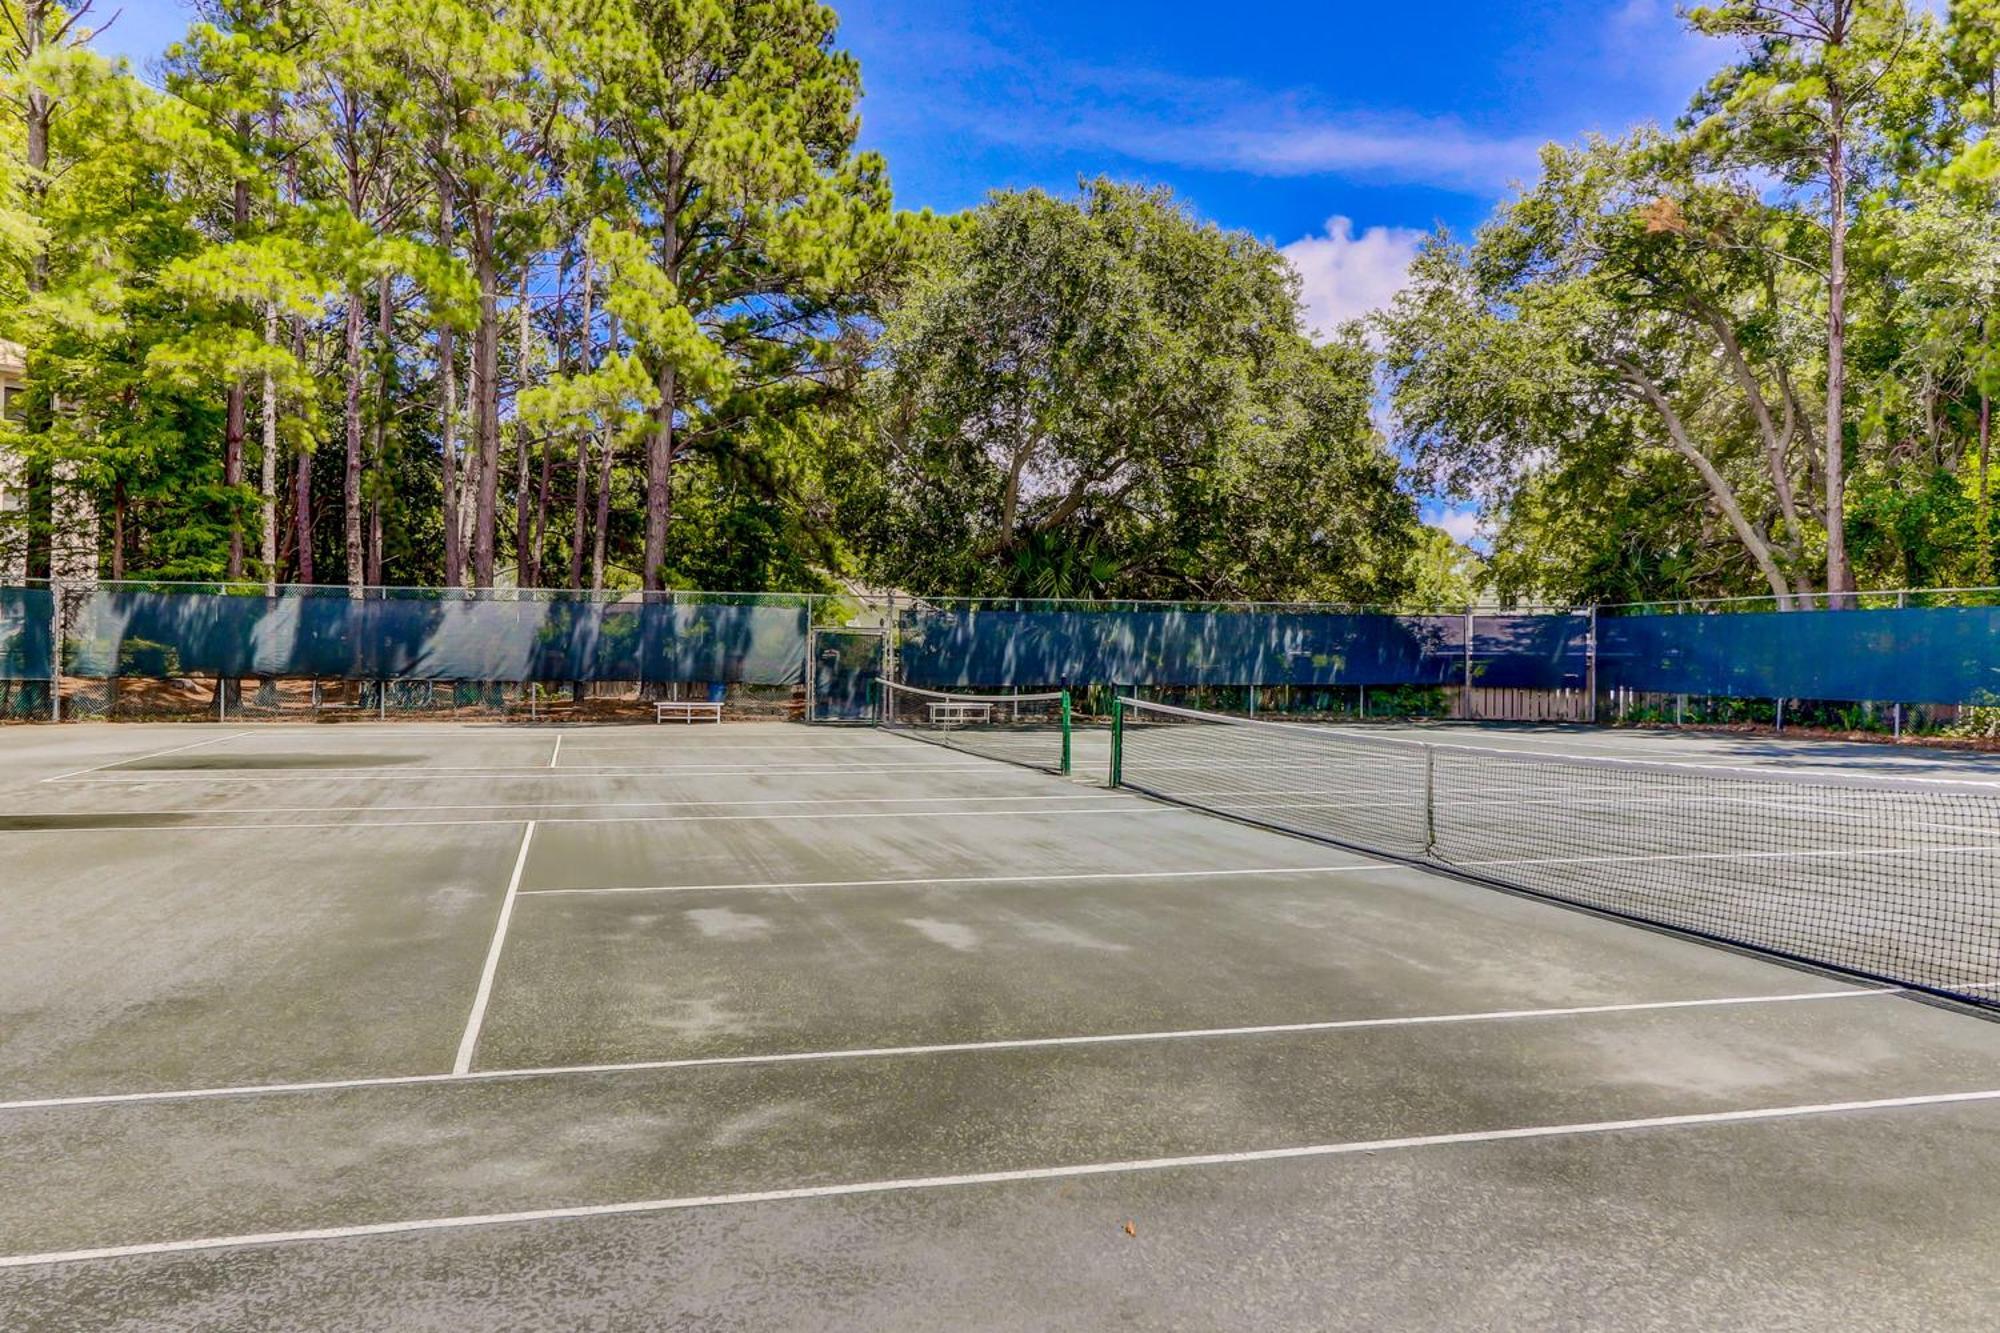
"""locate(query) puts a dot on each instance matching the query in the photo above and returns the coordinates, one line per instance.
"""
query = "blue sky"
(1341, 131)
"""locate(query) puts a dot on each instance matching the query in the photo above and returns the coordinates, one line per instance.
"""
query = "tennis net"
(1028, 729)
(1896, 880)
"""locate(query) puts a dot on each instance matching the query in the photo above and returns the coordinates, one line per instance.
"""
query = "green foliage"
(498, 267)
(1444, 576)
(1103, 395)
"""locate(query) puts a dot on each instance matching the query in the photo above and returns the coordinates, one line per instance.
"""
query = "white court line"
(487, 770)
(470, 1040)
(1100, 795)
(139, 759)
(327, 776)
(1356, 868)
(933, 1048)
(558, 750)
(905, 1184)
(1132, 808)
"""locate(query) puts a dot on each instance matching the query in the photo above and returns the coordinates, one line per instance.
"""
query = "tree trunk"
(385, 369)
(118, 507)
(302, 513)
(267, 464)
(302, 479)
(660, 443)
(579, 518)
(601, 521)
(525, 573)
(1719, 489)
(538, 535)
(1839, 578)
(235, 417)
(1985, 493)
(38, 110)
(486, 408)
(357, 568)
(468, 471)
(607, 459)
(659, 483)
(447, 363)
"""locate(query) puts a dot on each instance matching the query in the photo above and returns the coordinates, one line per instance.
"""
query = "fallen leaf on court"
(1131, 1229)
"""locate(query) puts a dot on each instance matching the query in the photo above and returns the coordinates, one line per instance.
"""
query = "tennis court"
(770, 1024)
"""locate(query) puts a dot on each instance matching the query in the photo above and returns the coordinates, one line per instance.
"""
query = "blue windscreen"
(119, 633)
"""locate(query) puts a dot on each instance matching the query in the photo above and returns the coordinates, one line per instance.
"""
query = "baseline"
(1130, 808)
(1019, 1175)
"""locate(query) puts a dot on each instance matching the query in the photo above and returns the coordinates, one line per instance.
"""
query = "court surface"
(763, 1025)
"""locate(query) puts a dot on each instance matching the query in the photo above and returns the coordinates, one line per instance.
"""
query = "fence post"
(1590, 667)
(1465, 706)
(812, 675)
(1902, 601)
(55, 649)
(889, 643)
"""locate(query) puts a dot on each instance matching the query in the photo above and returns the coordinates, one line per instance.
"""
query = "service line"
(900, 1052)
(142, 758)
(1351, 868)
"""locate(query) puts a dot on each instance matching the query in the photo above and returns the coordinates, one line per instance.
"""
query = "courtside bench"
(944, 714)
(687, 710)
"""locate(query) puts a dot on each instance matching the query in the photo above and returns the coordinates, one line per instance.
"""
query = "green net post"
(1117, 739)
(1065, 733)
(1430, 799)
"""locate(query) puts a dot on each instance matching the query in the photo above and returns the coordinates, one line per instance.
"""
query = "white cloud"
(1346, 276)
(1466, 526)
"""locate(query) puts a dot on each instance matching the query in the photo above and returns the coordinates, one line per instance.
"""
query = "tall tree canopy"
(1747, 354)
(1103, 395)
(521, 291)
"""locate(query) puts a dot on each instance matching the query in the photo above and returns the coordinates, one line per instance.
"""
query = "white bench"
(944, 714)
(687, 710)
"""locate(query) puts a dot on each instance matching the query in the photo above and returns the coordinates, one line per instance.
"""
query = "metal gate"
(841, 669)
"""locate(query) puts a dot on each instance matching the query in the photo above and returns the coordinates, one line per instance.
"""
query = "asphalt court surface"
(763, 1025)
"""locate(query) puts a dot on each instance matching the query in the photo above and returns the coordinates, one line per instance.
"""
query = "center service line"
(470, 1040)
